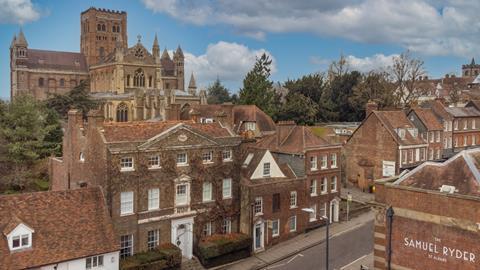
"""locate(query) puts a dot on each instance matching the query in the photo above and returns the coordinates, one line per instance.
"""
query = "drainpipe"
(390, 214)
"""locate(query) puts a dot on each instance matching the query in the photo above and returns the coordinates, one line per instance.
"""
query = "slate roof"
(68, 225)
(393, 120)
(463, 111)
(63, 61)
(461, 171)
(428, 118)
(142, 131)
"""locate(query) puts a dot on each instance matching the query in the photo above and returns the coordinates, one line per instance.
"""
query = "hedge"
(166, 256)
(223, 248)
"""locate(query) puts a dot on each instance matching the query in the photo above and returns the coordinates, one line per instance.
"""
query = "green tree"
(77, 98)
(299, 108)
(217, 93)
(257, 87)
(29, 132)
(311, 86)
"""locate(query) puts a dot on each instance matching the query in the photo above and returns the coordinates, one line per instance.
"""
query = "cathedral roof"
(192, 83)
(21, 40)
(155, 41)
(165, 54)
(71, 61)
(179, 52)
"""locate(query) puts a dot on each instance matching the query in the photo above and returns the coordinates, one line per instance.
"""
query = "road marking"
(348, 230)
(283, 264)
(361, 258)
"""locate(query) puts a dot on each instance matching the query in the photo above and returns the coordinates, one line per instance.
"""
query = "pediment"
(138, 54)
(178, 136)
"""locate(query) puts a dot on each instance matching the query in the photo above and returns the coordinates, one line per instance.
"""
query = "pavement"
(357, 194)
(360, 227)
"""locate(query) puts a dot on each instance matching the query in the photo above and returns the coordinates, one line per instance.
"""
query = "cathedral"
(130, 83)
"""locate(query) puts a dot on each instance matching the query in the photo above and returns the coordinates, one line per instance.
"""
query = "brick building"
(57, 230)
(428, 218)
(169, 181)
(283, 175)
(383, 145)
(429, 129)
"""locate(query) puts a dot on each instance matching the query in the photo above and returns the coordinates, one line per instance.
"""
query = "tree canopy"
(77, 98)
(217, 93)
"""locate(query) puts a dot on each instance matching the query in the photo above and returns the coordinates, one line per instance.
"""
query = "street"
(345, 248)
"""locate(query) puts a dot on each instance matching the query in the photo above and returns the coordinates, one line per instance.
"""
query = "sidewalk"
(357, 194)
(296, 244)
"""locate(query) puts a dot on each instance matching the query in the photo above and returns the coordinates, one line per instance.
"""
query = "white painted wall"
(110, 262)
(274, 169)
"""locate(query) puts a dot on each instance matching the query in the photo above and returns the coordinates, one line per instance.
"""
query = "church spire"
(156, 48)
(14, 41)
(165, 54)
(21, 40)
(192, 86)
(473, 61)
(179, 52)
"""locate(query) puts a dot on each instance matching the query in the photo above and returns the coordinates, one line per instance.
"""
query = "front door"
(182, 235)
(258, 236)
(334, 211)
(182, 239)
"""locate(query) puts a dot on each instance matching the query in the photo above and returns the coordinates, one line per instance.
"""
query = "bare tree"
(406, 73)
(454, 94)
(338, 68)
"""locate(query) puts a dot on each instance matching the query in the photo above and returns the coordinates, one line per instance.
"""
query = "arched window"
(103, 27)
(128, 80)
(150, 81)
(122, 112)
(139, 78)
(40, 82)
(118, 28)
(99, 27)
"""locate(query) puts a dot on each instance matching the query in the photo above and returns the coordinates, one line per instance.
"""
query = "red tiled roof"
(64, 61)
(394, 120)
(428, 118)
(67, 225)
(252, 113)
(142, 131)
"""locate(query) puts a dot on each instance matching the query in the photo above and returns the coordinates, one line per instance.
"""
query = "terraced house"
(290, 183)
(169, 181)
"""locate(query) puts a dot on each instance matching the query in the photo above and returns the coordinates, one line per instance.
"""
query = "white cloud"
(229, 61)
(434, 27)
(18, 11)
(376, 62)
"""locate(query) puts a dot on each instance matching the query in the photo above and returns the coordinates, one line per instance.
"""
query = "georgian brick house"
(383, 145)
(430, 129)
(170, 181)
(290, 181)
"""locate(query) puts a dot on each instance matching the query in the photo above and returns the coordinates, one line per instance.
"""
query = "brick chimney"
(75, 119)
(370, 107)
(95, 118)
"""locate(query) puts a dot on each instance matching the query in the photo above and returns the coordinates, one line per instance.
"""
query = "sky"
(222, 38)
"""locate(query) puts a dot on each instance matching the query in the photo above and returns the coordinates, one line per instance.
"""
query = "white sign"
(438, 251)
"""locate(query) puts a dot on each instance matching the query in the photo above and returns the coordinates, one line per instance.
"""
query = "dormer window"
(20, 241)
(250, 126)
(266, 169)
(401, 133)
(20, 237)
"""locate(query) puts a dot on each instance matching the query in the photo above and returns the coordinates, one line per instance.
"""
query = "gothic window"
(40, 82)
(122, 113)
(114, 29)
(139, 53)
(128, 80)
(99, 27)
(103, 27)
(139, 78)
(150, 81)
(118, 28)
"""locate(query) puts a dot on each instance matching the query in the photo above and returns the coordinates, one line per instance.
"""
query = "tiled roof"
(64, 61)
(142, 131)
(67, 225)
(291, 139)
(460, 171)
(394, 120)
(463, 111)
(242, 113)
(428, 118)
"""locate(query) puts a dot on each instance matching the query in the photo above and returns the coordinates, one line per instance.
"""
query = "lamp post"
(311, 211)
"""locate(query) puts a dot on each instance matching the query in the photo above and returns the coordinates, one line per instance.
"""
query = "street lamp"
(311, 211)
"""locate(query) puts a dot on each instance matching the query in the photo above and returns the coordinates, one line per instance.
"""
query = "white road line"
(361, 258)
(283, 264)
(349, 229)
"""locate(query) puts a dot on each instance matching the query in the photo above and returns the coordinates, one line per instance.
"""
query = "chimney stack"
(370, 107)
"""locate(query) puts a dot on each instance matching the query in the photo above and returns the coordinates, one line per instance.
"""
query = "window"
(227, 188)
(181, 159)
(82, 157)
(126, 164)
(21, 241)
(465, 124)
(122, 112)
(455, 124)
(103, 27)
(389, 168)
(323, 185)
(313, 215)
(275, 228)
(313, 188)
(437, 136)
(474, 140)
(207, 191)
(227, 155)
(445, 126)
(94, 262)
(293, 199)
(266, 169)
(150, 81)
(258, 206)
(422, 153)
(153, 199)
(126, 245)
(322, 211)
(126, 203)
(438, 153)
(62, 82)
(464, 140)
(404, 156)
(139, 77)
(474, 123)
(410, 151)
(41, 82)
(292, 223)
(324, 162)
(333, 160)
(456, 142)
(181, 197)
(250, 126)
(154, 162)
(276, 202)
(430, 154)
(207, 229)
(128, 80)
(227, 225)
(417, 154)
(432, 136)
(333, 184)
(152, 239)
(313, 163)
(207, 157)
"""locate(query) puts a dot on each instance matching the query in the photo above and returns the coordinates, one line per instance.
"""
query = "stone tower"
(18, 57)
(471, 70)
(100, 30)
(179, 59)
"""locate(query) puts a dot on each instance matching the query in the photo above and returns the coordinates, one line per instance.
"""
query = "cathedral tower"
(179, 59)
(100, 30)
